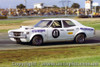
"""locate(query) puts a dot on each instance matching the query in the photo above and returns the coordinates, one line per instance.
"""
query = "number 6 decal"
(55, 33)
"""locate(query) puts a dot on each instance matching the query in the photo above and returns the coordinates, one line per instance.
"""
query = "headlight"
(10, 33)
(22, 34)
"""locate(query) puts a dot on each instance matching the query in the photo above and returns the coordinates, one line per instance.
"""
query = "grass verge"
(8, 22)
(84, 54)
(94, 24)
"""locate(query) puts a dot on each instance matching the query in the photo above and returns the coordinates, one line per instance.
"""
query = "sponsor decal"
(70, 30)
(38, 31)
(70, 33)
(55, 33)
(87, 29)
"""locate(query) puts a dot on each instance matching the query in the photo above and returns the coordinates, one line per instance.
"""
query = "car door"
(69, 29)
(55, 31)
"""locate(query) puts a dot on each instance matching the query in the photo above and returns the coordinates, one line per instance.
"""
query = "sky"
(30, 3)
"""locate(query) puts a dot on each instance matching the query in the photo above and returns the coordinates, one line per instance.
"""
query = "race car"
(52, 30)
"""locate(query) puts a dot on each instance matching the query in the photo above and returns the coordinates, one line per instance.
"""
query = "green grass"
(9, 23)
(49, 63)
(4, 30)
(6, 22)
(94, 24)
(82, 54)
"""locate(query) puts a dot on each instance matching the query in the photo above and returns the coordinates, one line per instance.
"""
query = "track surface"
(7, 44)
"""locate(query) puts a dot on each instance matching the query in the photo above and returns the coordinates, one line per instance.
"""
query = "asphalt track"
(7, 44)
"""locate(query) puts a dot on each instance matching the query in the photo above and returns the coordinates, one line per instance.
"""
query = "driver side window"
(56, 24)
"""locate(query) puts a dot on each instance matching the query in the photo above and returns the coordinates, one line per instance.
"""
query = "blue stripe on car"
(38, 31)
(87, 29)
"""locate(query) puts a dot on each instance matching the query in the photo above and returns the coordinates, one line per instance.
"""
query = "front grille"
(17, 33)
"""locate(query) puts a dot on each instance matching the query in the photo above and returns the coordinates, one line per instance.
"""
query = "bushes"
(3, 17)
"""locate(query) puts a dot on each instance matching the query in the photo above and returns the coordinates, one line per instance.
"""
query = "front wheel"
(37, 40)
(80, 38)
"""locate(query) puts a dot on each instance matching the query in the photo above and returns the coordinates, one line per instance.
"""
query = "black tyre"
(80, 38)
(37, 41)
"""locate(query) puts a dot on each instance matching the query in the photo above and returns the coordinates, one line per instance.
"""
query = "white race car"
(52, 30)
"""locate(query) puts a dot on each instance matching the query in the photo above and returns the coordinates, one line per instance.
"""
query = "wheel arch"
(80, 33)
(37, 35)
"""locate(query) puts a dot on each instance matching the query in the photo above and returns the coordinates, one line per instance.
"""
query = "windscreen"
(43, 23)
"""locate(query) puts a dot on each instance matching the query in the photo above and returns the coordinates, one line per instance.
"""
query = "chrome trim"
(17, 36)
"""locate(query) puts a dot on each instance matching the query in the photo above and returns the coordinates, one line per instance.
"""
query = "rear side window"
(68, 23)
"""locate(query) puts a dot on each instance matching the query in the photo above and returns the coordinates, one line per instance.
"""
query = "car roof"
(57, 19)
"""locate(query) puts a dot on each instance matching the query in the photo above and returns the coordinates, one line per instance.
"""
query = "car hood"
(22, 29)
(26, 28)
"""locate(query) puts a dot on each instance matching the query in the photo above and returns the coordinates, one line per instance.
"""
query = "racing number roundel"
(55, 33)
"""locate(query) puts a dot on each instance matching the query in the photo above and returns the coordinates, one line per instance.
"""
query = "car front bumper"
(21, 38)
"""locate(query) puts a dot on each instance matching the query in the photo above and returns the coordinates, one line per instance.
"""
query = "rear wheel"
(80, 38)
(37, 40)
